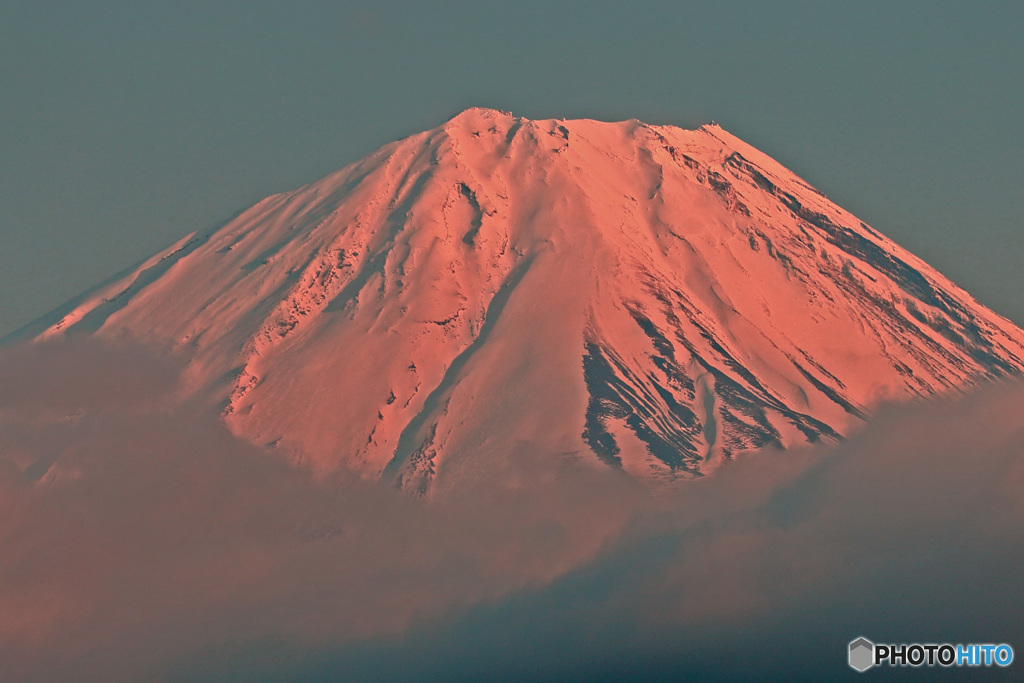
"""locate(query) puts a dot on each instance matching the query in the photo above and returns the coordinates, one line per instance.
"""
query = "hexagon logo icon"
(862, 654)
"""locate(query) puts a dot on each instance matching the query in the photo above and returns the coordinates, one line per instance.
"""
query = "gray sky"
(124, 125)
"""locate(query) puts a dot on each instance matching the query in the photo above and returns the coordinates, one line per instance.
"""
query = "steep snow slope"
(646, 296)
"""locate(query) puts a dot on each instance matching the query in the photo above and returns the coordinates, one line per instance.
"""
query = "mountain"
(647, 297)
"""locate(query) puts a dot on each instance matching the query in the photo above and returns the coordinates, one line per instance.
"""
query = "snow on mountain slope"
(654, 298)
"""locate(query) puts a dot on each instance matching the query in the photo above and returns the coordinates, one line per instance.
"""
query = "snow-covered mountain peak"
(645, 297)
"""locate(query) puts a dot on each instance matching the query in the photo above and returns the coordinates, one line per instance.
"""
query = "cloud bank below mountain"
(139, 539)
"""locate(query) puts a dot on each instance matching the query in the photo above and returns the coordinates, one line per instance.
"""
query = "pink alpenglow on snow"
(642, 297)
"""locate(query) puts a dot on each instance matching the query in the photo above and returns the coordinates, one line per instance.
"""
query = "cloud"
(138, 539)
